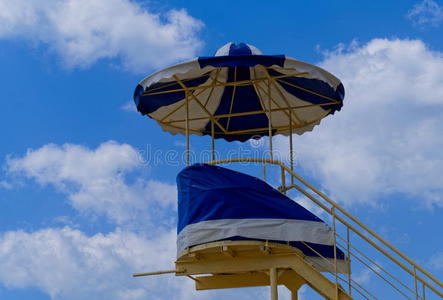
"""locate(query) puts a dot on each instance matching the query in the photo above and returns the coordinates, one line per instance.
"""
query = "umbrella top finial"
(233, 49)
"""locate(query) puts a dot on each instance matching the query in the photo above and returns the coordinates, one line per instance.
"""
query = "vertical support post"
(291, 150)
(283, 180)
(348, 242)
(423, 290)
(212, 141)
(294, 295)
(270, 121)
(416, 284)
(187, 128)
(335, 253)
(273, 283)
(264, 171)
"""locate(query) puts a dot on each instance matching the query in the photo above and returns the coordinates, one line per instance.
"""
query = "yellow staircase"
(235, 264)
(398, 276)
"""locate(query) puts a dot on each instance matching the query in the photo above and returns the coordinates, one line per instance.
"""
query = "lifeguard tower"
(235, 230)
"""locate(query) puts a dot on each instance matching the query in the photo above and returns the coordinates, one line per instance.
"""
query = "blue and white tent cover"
(216, 204)
(239, 79)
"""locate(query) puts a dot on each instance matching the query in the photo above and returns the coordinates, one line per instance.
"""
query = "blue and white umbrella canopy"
(216, 204)
(239, 93)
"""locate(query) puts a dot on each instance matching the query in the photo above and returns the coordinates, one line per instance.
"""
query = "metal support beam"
(156, 273)
(187, 129)
(271, 155)
(283, 180)
(291, 150)
(288, 278)
(212, 140)
(273, 283)
(256, 261)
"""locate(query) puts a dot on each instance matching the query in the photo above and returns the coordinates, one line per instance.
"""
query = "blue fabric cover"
(207, 192)
(239, 49)
(241, 61)
(150, 103)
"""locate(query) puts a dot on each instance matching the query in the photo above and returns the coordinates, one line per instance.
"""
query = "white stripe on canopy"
(263, 229)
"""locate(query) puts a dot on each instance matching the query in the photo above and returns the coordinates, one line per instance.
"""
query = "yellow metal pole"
(264, 172)
(416, 284)
(273, 283)
(335, 253)
(212, 140)
(187, 129)
(270, 121)
(348, 246)
(155, 273)
(283, 180)
(291, 150)
(232, 99)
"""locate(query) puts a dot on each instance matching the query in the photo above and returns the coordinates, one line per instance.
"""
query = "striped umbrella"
(238, 94)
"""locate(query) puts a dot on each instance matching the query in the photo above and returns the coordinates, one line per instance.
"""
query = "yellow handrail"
(343, 211)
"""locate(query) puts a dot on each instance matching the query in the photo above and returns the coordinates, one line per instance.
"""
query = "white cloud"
(364, 276)
(387, 138)
(4, 184)
(82, 32)
(311, 206)
(97, 181)
(129, 106)
(67, 264)
(426, 12)
(437, 261)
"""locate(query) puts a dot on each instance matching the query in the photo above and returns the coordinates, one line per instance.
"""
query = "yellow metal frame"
(294, 122)
(233, 264)
(427, 280)
(288, 110)
(236, 264)
(191, 94)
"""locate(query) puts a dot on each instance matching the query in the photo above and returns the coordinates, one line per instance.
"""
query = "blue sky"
(82, 204)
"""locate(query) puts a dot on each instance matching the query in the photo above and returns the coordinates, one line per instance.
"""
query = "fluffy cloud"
(67, 264)
(84, 31)
(365, 275)
(437, 261)
(96, 181)
(387, 138)
(427, 12)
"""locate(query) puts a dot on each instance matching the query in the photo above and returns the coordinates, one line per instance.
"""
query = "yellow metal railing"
(406, 269)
